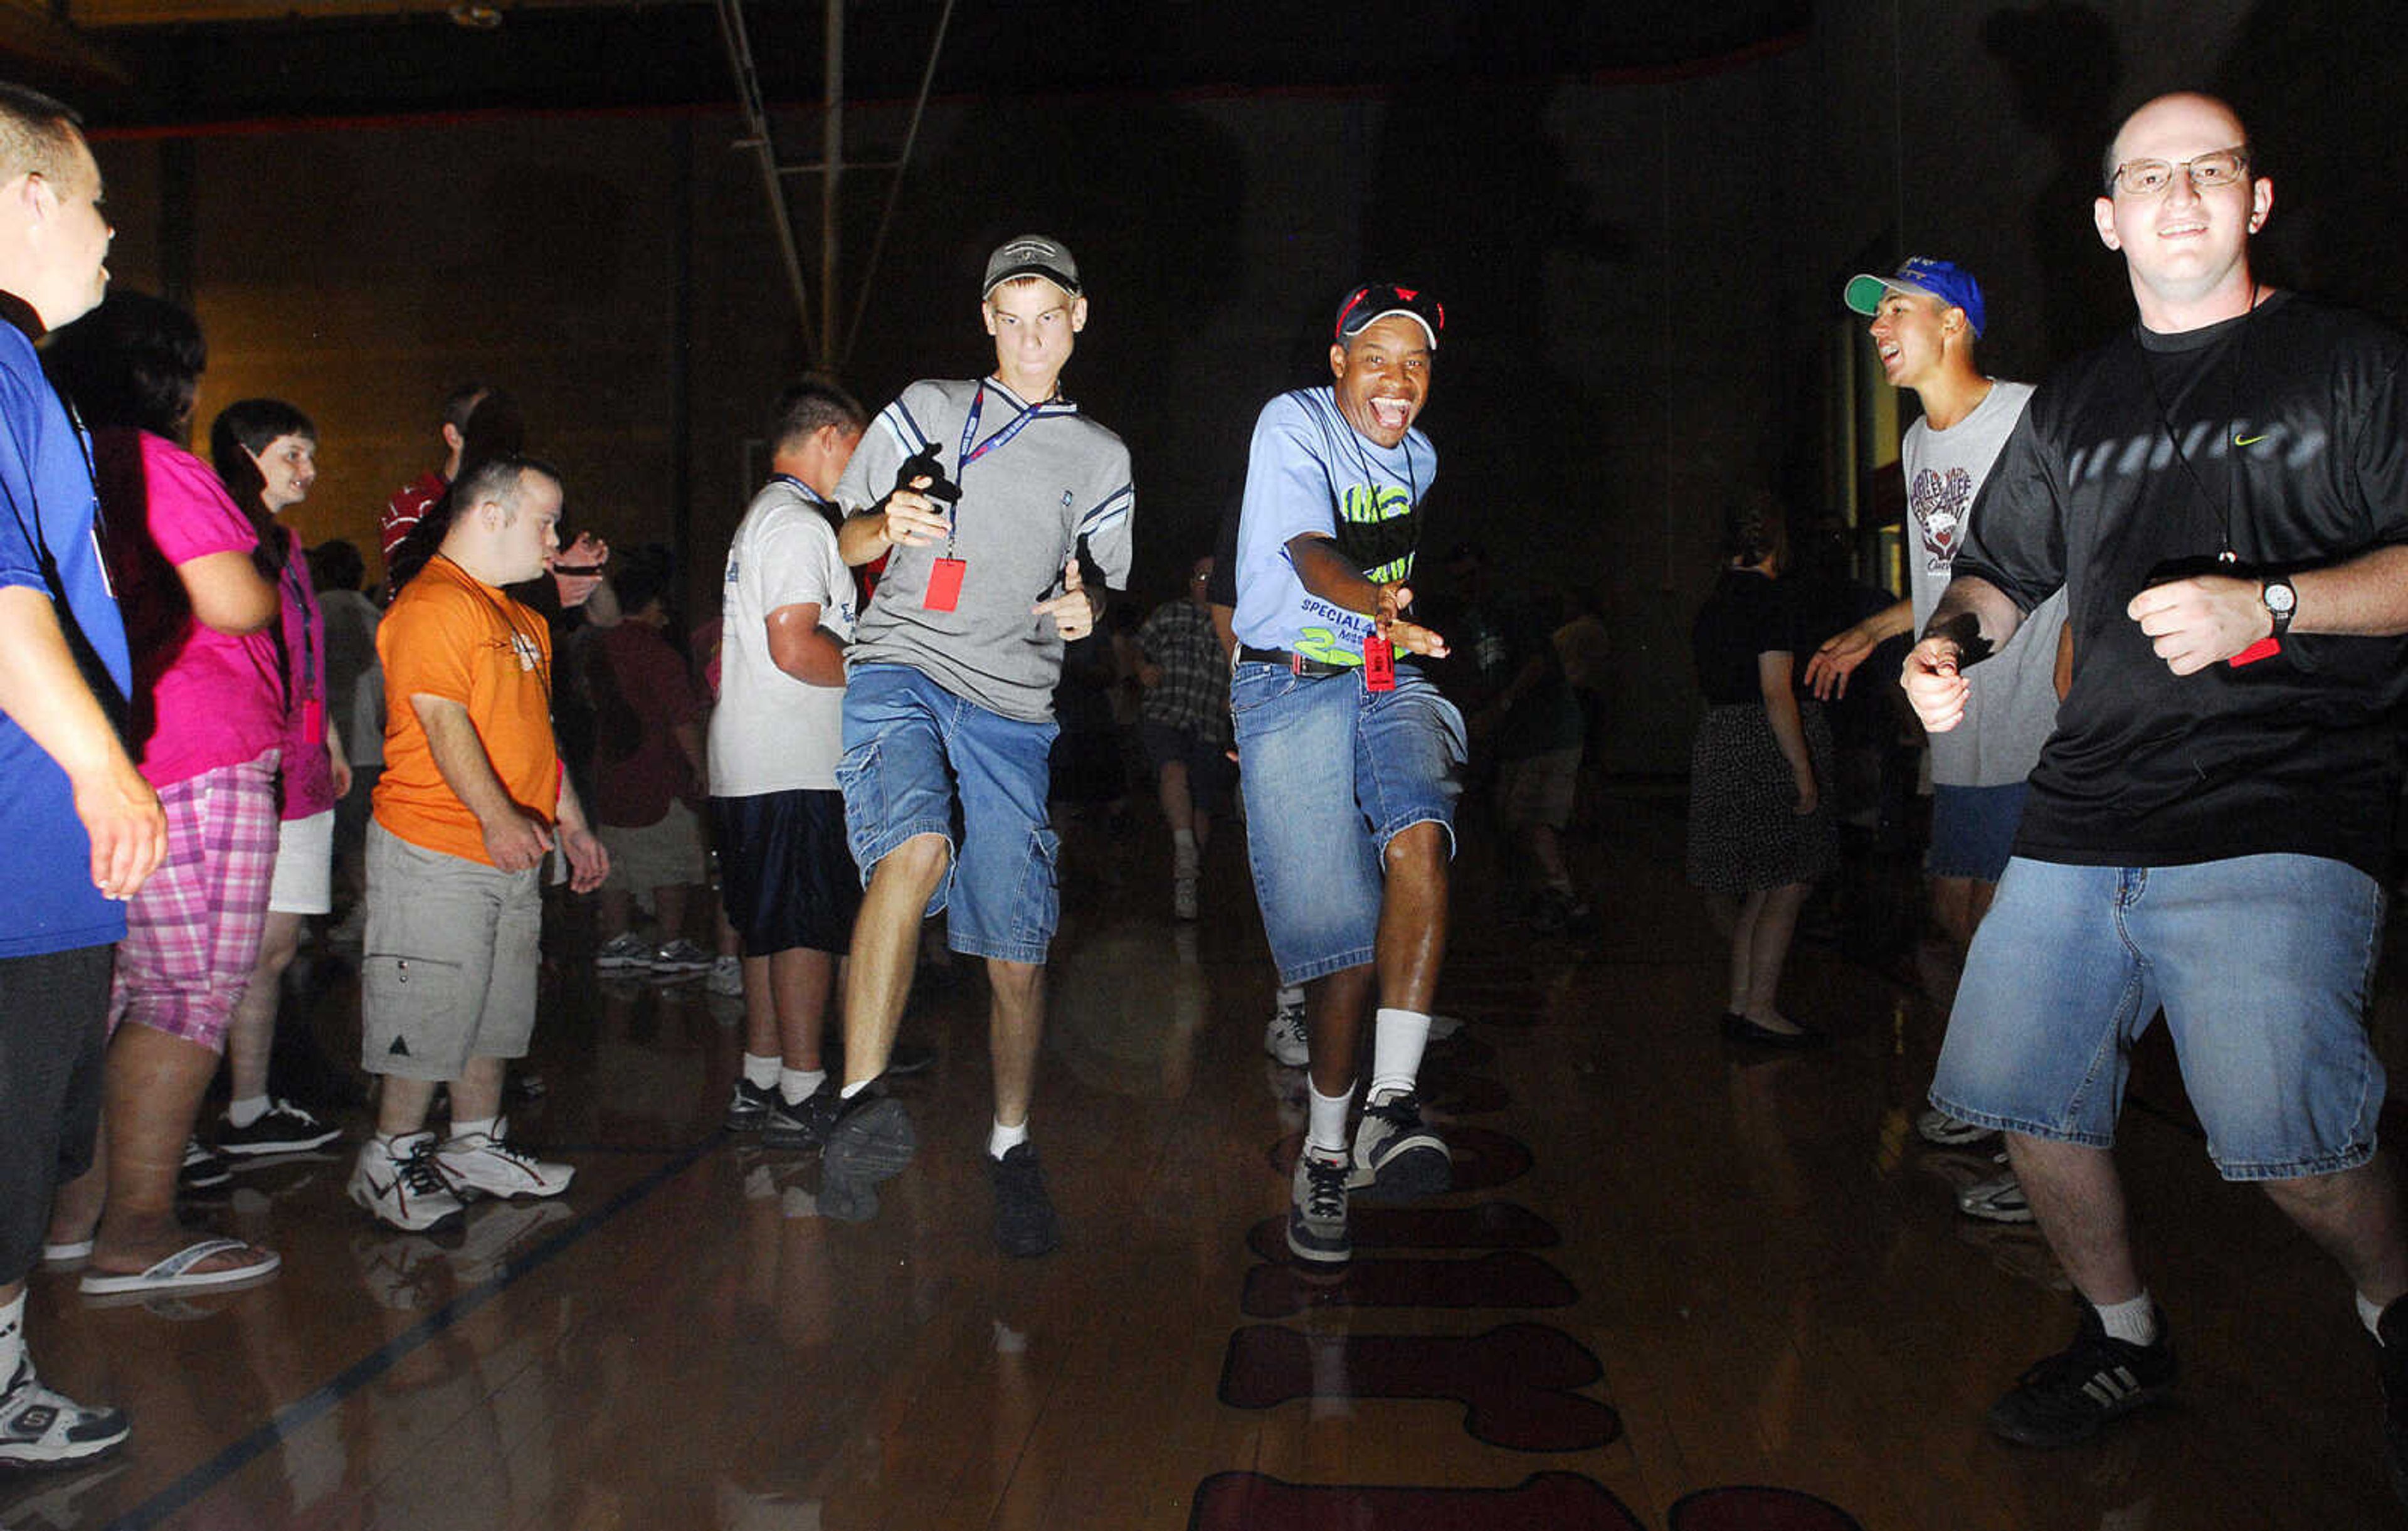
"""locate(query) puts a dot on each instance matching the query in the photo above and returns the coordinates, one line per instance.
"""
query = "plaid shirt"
(1194, 694)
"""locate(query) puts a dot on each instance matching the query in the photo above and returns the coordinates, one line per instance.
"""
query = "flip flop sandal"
(175, 1273)
(67, 1254)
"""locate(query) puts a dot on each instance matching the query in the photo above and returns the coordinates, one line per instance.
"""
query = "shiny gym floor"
(1679, 1285)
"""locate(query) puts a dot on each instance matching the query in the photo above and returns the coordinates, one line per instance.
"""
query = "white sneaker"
(40, 1426)
(679, 959)
(481, 1161)
(2000, 1200)
(399, 1184)
(1937, 1126)
(1285, 1037)
(727, 978)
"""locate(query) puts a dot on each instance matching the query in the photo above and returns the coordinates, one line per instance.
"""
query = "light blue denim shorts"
(911, 748)
(2262, 964)
(1332, 772)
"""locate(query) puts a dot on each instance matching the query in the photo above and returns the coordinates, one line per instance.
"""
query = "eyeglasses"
(1366, 304)
(2210, 172)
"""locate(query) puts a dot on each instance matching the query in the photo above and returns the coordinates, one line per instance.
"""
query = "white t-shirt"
(771, 731)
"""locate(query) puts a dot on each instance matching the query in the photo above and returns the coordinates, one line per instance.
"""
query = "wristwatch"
(2281, 600)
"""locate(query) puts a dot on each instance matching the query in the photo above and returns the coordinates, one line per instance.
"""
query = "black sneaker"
(203, 1168)
(1025, 1223)
(1396, 1157)
(282, 1129)
(2392, 1365)
(805, 1123)
(869, 1139)
(2068, 1396)
(748, 1108)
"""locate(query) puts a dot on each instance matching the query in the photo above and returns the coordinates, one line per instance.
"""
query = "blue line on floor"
(315, 1405)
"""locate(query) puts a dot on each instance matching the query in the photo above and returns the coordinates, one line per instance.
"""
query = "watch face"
(2279, 596)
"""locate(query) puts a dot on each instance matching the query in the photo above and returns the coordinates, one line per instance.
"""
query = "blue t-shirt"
(47, 900)
(1310, 471)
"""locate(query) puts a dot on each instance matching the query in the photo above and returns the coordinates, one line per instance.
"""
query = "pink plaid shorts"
(191, 934)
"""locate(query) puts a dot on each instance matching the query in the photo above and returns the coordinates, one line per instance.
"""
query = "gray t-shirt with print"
(2013, 707)
(1040, 479)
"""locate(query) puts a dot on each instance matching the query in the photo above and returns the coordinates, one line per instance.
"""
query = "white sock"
(798, 1085)
(2370, 1313)
(242, 1113)
(2134, 1322)
(1183, 853)
(760, 1072)
(852, 1090)
(1002, 1140)
(490, 1126)
(12, 1338)
(1397, 1037)
(1326, 1128)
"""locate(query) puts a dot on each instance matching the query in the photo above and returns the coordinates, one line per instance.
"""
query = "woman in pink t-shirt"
(209, 722)
(266, 452)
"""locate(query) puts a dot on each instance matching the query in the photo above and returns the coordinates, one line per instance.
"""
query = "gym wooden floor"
(1683, 1286)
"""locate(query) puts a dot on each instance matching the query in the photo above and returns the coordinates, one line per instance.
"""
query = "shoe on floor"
(1395, 1158)
(727, 978)
(624, 951)
(1285, 1037)
(203, 1168)
(748, 1108)
(2095, 1380)
(485, 1162)
(869, 1139)
(175, 1273)
(2391, 1367)
(1936, 1128)
(1738, 1028)
(804, 1124)
(680, 958)
(1997, 1199)
(1316, 1213)
(40, 1426)
(400, 1185)
(1025, 1223)
(282, 1129)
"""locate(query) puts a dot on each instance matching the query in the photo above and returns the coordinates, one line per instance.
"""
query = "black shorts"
(1209, 769)
(53, 1028)
(785, 872)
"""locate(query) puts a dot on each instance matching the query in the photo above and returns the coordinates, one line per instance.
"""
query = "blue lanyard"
(969, 428)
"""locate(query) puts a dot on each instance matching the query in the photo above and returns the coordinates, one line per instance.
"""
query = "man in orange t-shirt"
(471, 801)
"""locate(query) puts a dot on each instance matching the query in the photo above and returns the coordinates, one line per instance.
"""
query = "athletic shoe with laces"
(1025, 1223)
(869, 1139)
(1395, 1158)
(748, 1108)
(399, 1184)
(624, 951)
(282, 1129)
(485, 1162)
(2391, 1368)
(680, 958)
(1997, 1199)
(40, 1426)
(727, 978)
(804, 1124)
(1285, 1037)
(1316, 1213)
(204, 1167)
(1936, 1128)
(2095, 1380)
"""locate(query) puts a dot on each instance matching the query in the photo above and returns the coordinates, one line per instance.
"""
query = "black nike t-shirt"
(2281, 434)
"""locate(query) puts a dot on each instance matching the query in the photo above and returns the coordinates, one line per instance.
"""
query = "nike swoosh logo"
(2248, 440)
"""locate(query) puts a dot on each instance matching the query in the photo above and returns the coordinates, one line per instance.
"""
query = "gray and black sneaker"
(204, 1167)
(748, 1108)
(41, 1427)
(1025, 1223)
(1397, 1158)
(1316, 1213)
(804, 1124)
(869, 1139)
(2092, 1382)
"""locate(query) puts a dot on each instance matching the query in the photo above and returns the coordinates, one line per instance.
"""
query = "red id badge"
(1378, 663)
(944, 584)
(2265, 648)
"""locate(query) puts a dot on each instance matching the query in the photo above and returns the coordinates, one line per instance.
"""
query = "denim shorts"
(1332, 773)
(2262, 964)
(912, 749)
(1973, 830)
